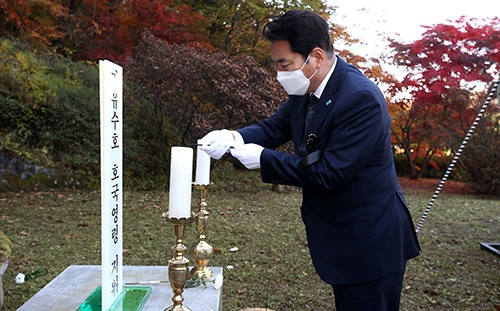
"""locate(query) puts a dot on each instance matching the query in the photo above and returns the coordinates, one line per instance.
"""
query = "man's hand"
(217, 143)
(248, 155)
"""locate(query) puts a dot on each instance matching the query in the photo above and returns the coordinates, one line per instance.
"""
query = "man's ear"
(319, 55)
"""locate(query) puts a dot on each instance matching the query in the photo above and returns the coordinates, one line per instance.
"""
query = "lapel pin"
(328, 102)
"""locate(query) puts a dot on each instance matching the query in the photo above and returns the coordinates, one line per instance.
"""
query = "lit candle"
(181, 170)
(202, 167)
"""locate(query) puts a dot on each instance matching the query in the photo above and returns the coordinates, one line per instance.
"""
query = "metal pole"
(493, 93)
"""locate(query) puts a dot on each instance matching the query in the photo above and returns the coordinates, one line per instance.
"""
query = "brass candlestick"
(203, 251)
(178, 265)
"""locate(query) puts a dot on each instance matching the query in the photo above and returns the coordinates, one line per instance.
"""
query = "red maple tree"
(105, 29)
(449, 70)
(110, 29)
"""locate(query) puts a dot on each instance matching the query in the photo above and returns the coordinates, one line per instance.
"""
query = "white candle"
(202, 167)
(181, 170)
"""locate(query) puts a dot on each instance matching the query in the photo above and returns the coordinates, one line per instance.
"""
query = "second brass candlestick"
(203, 251)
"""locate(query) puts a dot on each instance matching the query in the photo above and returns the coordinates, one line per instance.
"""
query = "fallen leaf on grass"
(217, 250)
(430, 292)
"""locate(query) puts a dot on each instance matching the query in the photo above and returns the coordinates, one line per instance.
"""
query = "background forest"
(193, 66)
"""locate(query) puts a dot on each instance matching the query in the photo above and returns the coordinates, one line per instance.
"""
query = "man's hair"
(304, 30)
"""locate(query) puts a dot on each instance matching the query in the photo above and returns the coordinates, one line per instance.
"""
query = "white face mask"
(295, 82)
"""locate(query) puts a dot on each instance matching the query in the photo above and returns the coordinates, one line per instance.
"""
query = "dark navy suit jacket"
(358, 225)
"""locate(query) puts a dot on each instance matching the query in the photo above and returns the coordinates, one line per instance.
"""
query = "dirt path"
(428, 186)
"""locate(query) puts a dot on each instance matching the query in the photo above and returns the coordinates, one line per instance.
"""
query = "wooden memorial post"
(111, 99)
(112, 295)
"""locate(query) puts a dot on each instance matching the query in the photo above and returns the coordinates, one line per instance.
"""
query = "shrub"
(50, 108)
(5, 247)
(482, 155)
(176, 94)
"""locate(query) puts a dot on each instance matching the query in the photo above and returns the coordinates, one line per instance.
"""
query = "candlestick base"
(202, 255)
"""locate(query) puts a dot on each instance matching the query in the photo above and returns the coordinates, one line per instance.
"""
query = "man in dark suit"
(359, 229)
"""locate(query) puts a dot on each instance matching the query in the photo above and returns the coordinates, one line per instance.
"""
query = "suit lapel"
(327, 100)
(298, 107)
(319, 115)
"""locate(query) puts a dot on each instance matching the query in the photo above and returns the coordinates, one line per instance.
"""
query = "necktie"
(313, 101)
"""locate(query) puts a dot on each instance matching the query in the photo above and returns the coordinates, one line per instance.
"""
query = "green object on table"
(132, 298)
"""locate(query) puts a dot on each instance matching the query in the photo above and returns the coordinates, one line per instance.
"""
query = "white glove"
(217, 143)
(248, 155)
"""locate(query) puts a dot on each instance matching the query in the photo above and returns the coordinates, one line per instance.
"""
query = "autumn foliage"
(450, 70)
(38, 21)
(93, 30)
(192, 66)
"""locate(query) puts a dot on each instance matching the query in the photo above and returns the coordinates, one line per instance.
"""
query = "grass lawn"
(55, 229)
